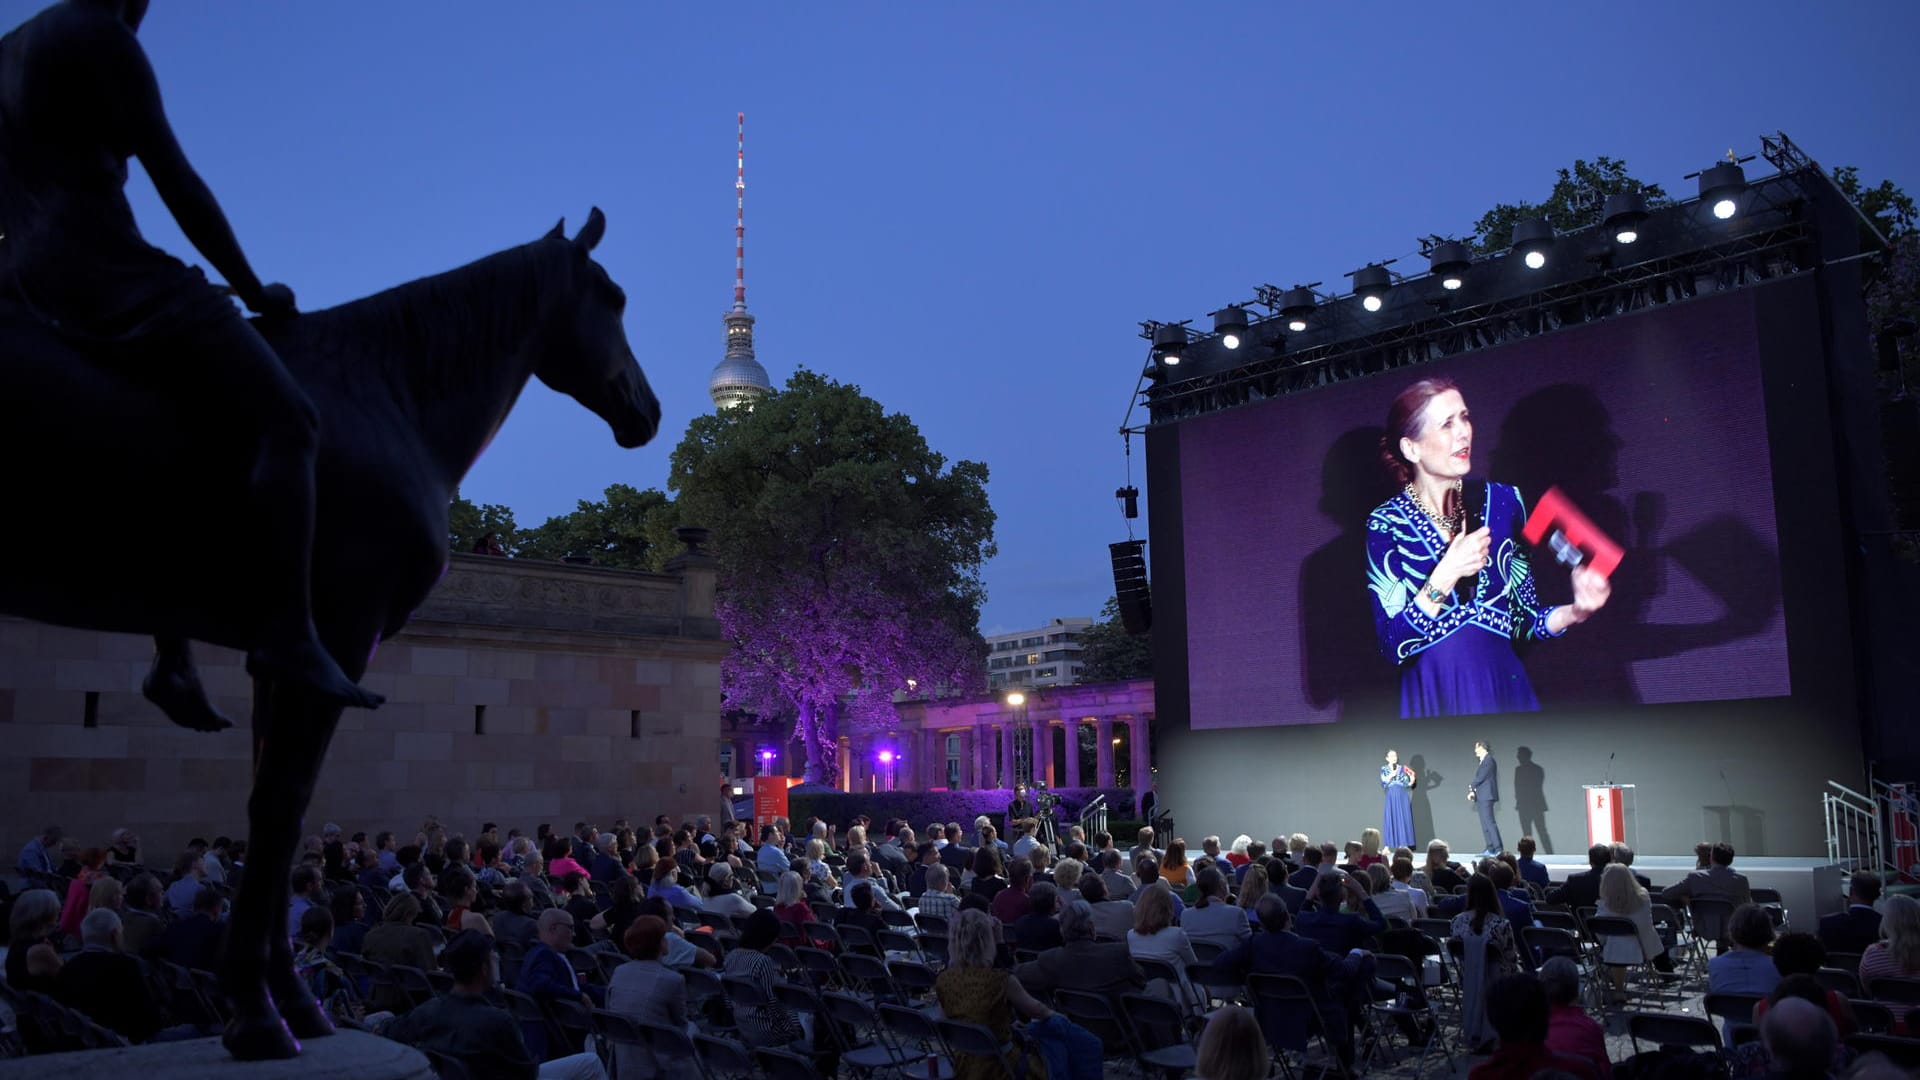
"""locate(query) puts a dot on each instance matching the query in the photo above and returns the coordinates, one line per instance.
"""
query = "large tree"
(1575, 202)
(467, 524)
(629, 529)
(849, 553)
(1109, 654)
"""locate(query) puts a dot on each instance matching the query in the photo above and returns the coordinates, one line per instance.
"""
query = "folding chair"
(724, 1057)
(824, 932)
(528, 1014)
(935, 925)
(1672, 1029)
(898, 945)
(446, 1066)
(1558, 920)
(673, 1049)
(1895, 991)
(912, 981)
(1288, 993)
(910, 1026)
(1163, 970)
(786, 1065)
(857, 939)
(703, 985)
(573, 1020)
(851, 1017)
(1873, 1017)
(413, 983)
(867, 976)
(1732, 1008)
(1547, 942)
(819, 966)
(973, 1040)
(617, 1029)
(1438, 929)
(1609, 928)
(1096, 1013)
(1840, 979)
(1902, 1052)
(1406, 980)
(1161, 1044)
(783, 957)
(1208, 951)
(1709, 919)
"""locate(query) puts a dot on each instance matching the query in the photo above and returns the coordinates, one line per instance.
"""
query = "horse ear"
(558, 232)
(593, 230)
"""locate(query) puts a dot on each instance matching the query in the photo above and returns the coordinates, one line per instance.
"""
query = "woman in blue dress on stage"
(1454, 647)
(1396, 822)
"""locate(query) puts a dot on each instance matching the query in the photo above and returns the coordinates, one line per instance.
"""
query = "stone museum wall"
(521, 692)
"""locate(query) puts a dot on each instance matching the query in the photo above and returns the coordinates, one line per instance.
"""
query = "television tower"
(738, 380)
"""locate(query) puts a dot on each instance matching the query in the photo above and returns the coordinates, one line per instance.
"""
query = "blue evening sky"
(961, 208)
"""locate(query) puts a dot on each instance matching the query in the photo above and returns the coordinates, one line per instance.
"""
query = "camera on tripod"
(1042, 798)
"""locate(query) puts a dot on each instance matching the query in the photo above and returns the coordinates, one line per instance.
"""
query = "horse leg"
(174, 684)
(292, 727)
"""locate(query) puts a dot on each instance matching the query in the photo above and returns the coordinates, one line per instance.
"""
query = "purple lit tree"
(850, 557)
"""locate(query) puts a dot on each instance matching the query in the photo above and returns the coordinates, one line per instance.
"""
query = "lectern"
(1609, 814)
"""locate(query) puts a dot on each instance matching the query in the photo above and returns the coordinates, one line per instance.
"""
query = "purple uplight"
(766, 755)
(886, 757)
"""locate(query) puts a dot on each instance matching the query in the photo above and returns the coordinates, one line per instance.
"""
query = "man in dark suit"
(1338, 933)
(1718, 881)
(1583, 890)
(194, 942)
(1279, 951)
(1484, 793)
(1852, 930)
(1096, 967)
(1308, 873)
(926, 857)
(545, 973)
(107, 984)
(956, 858)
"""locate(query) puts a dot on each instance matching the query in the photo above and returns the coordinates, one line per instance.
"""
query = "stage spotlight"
(1371, 284)
(1230, 323)
(1296, 304)
(1625, 210)
(1531, 239)
(1450, 262)
(1168, 342)
(1721, 188)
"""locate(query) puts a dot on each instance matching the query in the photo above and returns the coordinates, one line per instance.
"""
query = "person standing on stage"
(1396, 822)
(1449, 575)
(1483, 792)
(1021, 808)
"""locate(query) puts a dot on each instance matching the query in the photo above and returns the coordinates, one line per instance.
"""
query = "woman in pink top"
(560, 861)
(1897, 954)
(92, 866)
(1570, 1030)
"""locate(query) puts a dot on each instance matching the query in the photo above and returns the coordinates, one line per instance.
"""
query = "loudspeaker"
(1130, 585)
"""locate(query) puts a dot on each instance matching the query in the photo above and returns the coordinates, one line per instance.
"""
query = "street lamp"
(1016, 698)
(887, 758)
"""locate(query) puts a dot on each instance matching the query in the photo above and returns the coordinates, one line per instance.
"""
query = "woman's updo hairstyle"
(1403, 422)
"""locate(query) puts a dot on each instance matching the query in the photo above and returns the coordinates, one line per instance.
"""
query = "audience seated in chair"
(1518, 1009)
(105, 983)
(465, 1026)
(1858, 927)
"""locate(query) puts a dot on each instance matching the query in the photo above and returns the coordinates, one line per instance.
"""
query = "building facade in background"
(1047, 656)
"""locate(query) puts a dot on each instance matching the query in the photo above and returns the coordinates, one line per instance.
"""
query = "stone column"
(1072, 726)
(1103, 752)
(1040, 765)
(1137, 756)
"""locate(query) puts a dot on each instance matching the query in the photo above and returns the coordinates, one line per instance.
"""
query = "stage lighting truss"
(1781, 247)
(1372, 283)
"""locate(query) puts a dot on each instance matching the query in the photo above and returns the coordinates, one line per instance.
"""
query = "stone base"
(348, 1054)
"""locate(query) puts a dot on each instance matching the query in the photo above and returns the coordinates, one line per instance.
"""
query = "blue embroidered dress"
(1396, 823)
(1461, 661)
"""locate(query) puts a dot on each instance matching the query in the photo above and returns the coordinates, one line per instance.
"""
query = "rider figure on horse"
(77, 99)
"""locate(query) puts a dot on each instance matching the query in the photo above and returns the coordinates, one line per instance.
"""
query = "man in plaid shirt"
(939, 900)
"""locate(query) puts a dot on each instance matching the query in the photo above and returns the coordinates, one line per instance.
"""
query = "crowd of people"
(613, 919)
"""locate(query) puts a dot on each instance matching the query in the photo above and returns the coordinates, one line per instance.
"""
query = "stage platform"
(1809, 888)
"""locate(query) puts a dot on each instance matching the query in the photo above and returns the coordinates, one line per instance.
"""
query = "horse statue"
(142, 500)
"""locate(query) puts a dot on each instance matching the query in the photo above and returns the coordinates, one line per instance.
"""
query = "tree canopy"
(628, 529)
(1109, 654)
(1575, 202)
(467, 524)
(850, 555)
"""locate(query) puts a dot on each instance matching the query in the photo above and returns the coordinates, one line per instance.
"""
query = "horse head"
(585, 354)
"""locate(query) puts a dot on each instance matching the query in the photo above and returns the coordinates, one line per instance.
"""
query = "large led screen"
(1305, 560)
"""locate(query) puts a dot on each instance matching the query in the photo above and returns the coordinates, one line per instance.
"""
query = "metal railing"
(1853, 828)
(1093, 817)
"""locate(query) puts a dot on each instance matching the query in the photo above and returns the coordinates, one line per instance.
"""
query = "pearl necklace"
(1450, 523)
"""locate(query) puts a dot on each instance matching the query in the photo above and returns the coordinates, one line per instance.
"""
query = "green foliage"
(850, 554)
(1109, 654)
(1891, 209)
(628, 529)
(467, 524)
(1574, 202)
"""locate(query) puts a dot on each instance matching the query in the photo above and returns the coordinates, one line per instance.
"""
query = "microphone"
(1474, 517)
(1609, 778)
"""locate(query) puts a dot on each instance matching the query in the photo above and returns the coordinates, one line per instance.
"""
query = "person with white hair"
(721, 895)
(1237, 854)
(107, 984)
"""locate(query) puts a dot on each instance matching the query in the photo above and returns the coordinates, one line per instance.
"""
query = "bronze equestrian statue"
(278, 486)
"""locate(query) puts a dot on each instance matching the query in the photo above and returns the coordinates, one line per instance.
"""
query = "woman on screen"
(1396, 823)
(1450, 596)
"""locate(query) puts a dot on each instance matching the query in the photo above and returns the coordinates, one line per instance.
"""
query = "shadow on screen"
(1564, 435)
(1422, 806)
(1530, 798)
(1340, 656)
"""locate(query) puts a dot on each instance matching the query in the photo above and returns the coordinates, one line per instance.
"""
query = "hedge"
(920, 808)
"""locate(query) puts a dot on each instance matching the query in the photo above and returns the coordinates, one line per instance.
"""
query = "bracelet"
(1435, 595)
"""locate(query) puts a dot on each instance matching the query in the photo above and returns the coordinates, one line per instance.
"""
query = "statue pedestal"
(347, 1055)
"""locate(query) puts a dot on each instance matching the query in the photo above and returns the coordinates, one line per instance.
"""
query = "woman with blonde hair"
(1066, 878)
(1232, 1048)
(1252, 888)
(1370, 849)
(972, 990)
(33, 958)
(107, 892)
(1441, 877)
(1173, 865)
(1154, 936)
(1897, 954)
(1622, 897)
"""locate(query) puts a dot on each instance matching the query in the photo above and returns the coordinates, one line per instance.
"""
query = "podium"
(1609, 809)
